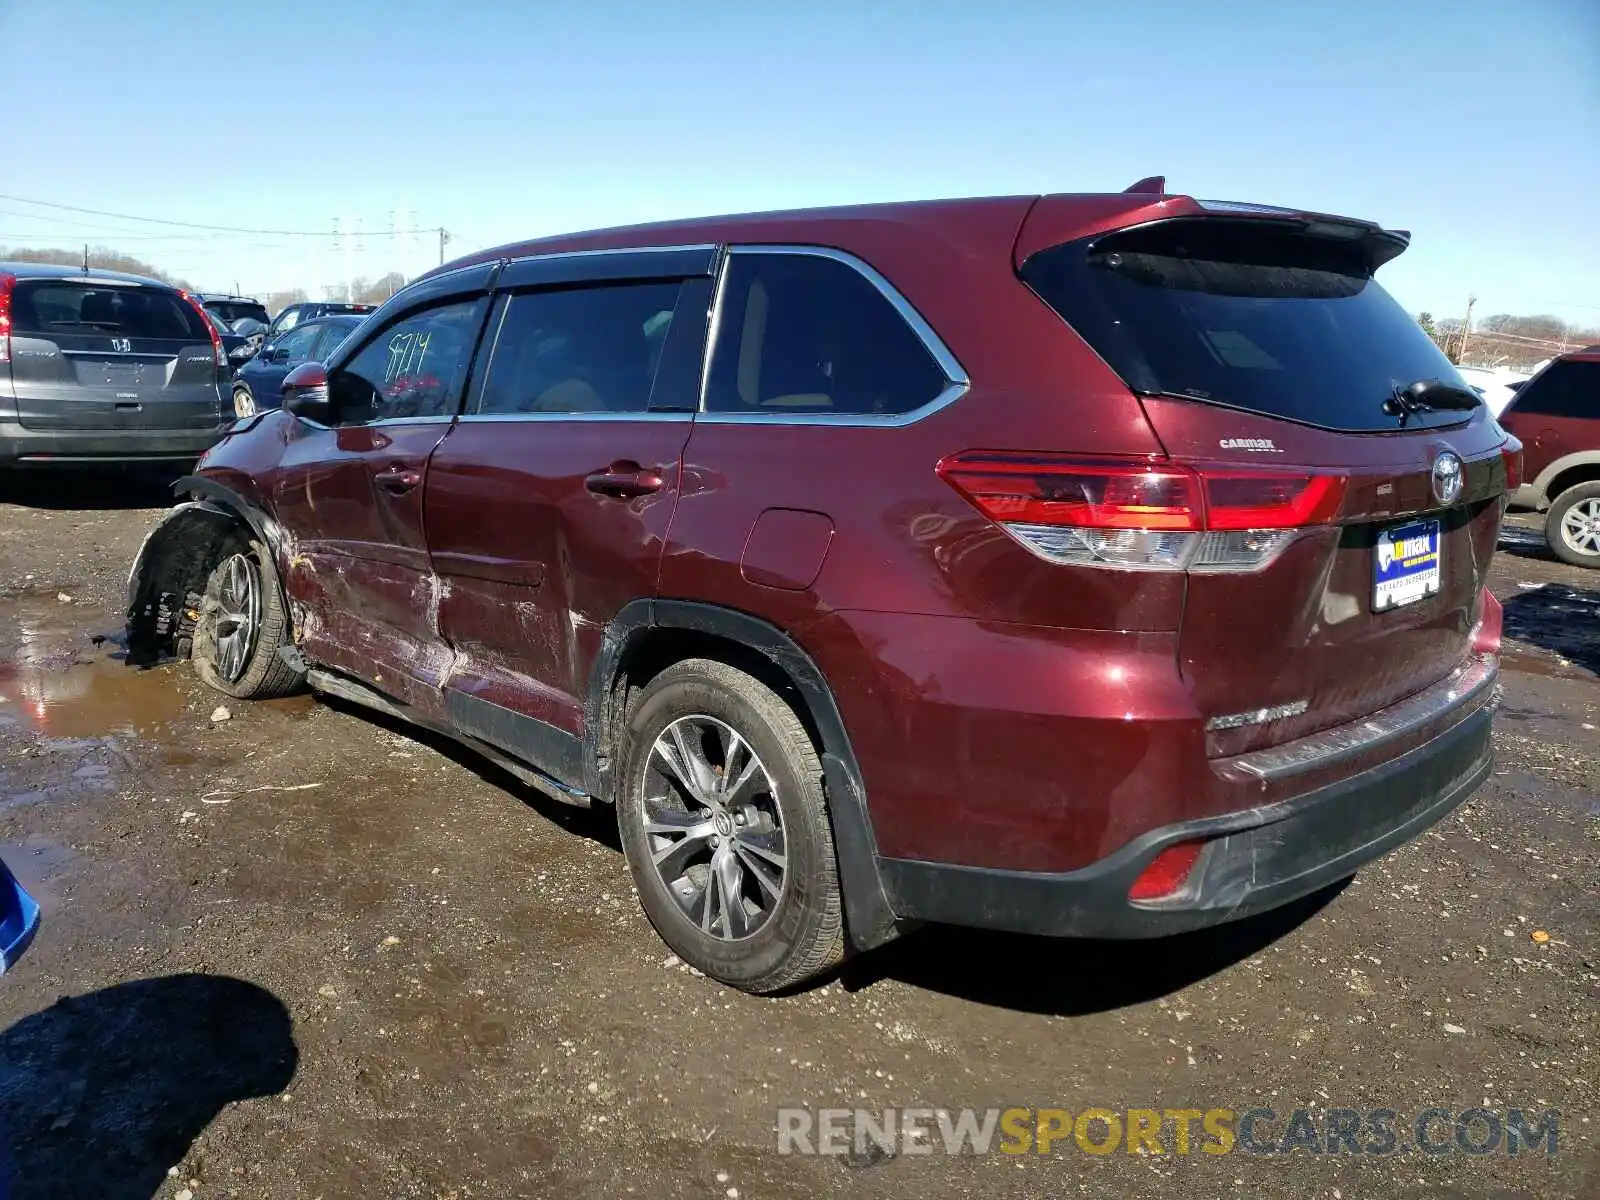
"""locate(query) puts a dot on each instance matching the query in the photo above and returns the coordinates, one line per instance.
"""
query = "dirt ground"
(302, 953)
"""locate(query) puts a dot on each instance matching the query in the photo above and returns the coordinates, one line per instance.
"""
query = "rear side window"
(413, 368)
(47, 308)
(580, 350)
(804, 335)
(1563, 389)
(1244, 314)
(237, 310)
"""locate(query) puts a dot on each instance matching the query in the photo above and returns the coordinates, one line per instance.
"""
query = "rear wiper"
(1429, 395)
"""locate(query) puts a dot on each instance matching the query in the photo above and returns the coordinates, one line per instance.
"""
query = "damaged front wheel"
(242, 627)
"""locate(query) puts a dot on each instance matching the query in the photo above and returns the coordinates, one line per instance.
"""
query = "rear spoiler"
(1066, 218)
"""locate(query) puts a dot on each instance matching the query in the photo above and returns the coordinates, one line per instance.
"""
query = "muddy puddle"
(62, 676)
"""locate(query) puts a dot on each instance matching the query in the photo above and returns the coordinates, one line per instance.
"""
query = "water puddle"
(64, 681)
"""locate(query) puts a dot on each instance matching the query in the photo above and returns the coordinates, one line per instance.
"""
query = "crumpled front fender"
(170, 567)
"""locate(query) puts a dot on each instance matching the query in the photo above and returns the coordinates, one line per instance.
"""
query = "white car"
(1497, 385)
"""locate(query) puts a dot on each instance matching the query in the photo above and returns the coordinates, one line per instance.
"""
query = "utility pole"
(86, 258)
(1466, 327)
(443, 238)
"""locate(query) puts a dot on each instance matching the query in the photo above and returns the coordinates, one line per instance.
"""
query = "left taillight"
(217, 352)
(1144, 514)
(8, 284)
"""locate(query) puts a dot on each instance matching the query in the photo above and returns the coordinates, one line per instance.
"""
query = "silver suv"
(101, 367)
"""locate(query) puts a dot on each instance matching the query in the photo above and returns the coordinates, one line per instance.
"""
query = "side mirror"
(305, 393)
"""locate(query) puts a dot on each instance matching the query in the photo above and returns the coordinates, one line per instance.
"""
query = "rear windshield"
(48, 308)
(1566, 388)
(1244, 314)
(235, 310)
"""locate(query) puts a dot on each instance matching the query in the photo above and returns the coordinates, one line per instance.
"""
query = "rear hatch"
(1357, 518)
(107, 355)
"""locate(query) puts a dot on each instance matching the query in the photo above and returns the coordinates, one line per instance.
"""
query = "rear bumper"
(1255, 860)
(23, 447)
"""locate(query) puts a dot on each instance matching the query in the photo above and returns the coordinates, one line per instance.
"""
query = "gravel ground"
(303, 953)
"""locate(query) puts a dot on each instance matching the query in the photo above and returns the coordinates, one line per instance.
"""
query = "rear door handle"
(398, 480)
(624, 480)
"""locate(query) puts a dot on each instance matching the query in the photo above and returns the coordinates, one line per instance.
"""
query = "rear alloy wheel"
(1572, 526)
(244, 402)
(726, 831)
(243, 625)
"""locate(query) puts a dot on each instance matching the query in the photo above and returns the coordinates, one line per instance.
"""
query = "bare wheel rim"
(714, 828)
(244, 403)
(1580, 526)
(238, 615)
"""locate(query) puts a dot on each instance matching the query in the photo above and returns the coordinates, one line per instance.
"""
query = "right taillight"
(1144, 514)
(7, 284)
(1511, 455)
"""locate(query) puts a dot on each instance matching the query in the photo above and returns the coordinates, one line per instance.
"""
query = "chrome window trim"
(708, 247)
(600, 417)
(959, 383)
(384, 421)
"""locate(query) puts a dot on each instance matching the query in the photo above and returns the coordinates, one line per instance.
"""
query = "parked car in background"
(1497, 385)
(232, 308)
(102, 367)
(235, 345)
(1557, 416)
(1025, 562)
(257, 384)
(309, 310)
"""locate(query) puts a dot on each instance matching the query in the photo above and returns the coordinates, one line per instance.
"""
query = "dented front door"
(351, 499)
(351, 495)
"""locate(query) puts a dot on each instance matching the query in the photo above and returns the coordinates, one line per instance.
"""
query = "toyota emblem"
(1447, 478)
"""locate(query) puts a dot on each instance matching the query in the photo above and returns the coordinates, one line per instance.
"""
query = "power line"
(97, 212)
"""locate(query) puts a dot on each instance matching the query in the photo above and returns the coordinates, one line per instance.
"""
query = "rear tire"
(724, 824)
(244, 402)
(1572, 526)
(243, 625)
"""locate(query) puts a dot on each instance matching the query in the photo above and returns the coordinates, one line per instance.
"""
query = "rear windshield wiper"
(1429, 395)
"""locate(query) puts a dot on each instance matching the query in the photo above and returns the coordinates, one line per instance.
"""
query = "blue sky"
(1475, 125)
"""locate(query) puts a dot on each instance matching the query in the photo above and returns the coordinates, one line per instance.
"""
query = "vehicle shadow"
(597, 824)
(84, 490)
(100, 1094)
(1559, 618)
(1070, 977)
(1522, 541)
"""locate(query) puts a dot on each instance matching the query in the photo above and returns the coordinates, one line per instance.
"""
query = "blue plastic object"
(19, 919)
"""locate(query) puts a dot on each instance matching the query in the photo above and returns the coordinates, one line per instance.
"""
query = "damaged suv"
(1087, 565)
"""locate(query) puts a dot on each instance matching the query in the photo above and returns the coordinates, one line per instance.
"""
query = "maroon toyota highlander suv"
(1089, 565)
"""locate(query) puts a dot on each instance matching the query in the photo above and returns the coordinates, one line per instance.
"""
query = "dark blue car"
(257, 385)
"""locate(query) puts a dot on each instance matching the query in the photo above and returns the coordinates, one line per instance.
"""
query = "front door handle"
(624, 480)
(397, 480)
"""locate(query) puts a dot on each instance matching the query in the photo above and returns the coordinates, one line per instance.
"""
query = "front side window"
(579, 350)
(1563, 389)
(412, 368)
(802, 335)
(295, 346)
